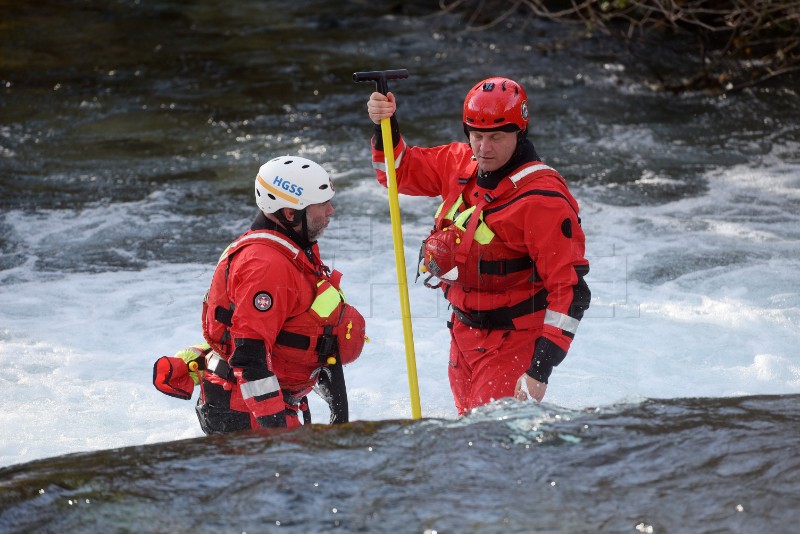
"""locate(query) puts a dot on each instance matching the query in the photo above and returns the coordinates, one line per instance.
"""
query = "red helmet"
(496, 104)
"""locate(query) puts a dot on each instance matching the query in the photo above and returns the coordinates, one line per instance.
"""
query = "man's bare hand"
(535, 389)
(381, 106)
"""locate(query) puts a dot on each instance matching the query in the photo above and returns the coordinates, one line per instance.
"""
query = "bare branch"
(729, 33)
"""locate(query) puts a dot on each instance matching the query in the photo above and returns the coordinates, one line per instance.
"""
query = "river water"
(668, 466)
(130, 135)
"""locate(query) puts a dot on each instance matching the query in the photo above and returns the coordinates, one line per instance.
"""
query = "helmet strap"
(300, 238)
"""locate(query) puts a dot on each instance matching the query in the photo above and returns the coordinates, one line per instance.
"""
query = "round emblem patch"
(262, 301)
(525, 110)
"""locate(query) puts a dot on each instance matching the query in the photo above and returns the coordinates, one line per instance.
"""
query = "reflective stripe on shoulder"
(562, 321)
(257, 388)
(294, 250)
(519, 175)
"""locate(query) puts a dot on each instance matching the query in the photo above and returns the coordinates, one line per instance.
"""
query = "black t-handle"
(380, 77)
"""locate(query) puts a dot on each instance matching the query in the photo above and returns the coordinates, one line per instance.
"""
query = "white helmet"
(292, 182)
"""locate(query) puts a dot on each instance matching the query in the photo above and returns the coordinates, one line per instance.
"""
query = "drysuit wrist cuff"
(546, 356)
(377, 136)
(540, 371)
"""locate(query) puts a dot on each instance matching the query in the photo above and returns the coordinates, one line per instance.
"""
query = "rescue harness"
(456, 251)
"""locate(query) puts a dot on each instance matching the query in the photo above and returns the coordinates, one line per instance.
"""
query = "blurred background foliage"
(726, 45)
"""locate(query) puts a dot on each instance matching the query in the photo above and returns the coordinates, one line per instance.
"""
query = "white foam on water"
(698, 297)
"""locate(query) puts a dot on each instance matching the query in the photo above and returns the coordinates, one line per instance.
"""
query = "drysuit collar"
(524, 153)
(261, 222)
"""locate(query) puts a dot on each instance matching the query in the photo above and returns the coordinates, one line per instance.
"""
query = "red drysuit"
(274, 316)
(510, 314)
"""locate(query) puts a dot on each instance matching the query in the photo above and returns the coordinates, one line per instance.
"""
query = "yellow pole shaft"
(400, 262)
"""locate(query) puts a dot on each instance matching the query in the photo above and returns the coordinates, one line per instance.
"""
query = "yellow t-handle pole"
(400, 262)
(380, 77)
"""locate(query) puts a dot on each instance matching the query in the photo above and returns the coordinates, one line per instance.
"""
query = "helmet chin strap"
(300, 238)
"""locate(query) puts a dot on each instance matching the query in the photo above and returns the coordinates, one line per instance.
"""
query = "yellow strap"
(483, 234)
(452, 211)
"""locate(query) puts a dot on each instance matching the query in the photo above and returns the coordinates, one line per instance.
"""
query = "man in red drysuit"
(275, 315)
(507, 247)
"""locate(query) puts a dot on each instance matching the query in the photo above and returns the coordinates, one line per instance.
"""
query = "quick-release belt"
(502, 318)
(504, 267)
(326, 343)
(326, 346)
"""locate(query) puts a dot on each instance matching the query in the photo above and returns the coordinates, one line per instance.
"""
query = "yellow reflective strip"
(276, 191)
(438, 211)
(326, 302)
(186, 355)
(463, 218)
(189, 354)
(224, 253)
(483, 234)
(451, 213)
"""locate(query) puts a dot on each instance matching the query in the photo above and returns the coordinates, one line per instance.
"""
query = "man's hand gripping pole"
(381, 79)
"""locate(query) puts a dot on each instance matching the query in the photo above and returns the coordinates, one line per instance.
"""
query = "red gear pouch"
(351, 335)
(171, 377)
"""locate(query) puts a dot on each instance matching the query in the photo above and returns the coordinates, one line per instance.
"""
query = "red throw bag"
(171, 377)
